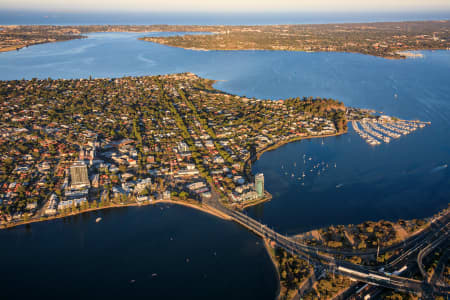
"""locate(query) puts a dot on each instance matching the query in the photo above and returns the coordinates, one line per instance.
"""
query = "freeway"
(438, 275)
(427, 250)
(435, 225)
(343, 267)
(315, 255)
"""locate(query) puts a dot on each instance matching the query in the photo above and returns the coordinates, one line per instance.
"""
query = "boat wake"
(440, 168)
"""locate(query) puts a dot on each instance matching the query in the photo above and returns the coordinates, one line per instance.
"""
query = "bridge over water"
(323, 257)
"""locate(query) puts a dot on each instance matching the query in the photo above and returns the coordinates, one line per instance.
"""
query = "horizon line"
(231, 12)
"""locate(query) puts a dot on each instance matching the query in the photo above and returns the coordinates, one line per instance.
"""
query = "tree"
(183, 195)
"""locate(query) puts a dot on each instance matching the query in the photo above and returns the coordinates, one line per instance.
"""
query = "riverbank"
(271, 252)
(204, 208)
(248, 162)
(11, 48)
(367, 236)
(284, 292)
(412, 36)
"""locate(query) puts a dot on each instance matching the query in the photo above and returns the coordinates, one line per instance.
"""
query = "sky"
(257, 6)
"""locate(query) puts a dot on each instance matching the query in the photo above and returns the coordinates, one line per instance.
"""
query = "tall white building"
(79, 175)
(259, 184)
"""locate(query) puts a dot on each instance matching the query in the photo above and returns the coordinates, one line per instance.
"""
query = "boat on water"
(98, 220)
(439, 168)
(339, 185)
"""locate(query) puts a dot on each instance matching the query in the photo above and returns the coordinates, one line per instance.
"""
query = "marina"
(375, 131)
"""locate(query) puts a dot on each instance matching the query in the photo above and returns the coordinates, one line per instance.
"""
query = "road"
(438, 230)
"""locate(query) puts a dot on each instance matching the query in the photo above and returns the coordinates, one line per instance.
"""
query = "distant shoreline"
(380, 39)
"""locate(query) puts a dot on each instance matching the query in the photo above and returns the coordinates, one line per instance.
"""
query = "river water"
(404, 179)
(154, 252)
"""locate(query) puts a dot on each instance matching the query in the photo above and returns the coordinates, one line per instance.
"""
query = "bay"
(155, 252)
(403, 179)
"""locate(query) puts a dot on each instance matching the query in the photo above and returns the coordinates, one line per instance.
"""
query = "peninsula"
(386, 39)
(74, 145)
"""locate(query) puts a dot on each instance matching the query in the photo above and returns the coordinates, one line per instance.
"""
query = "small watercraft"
(98, 220)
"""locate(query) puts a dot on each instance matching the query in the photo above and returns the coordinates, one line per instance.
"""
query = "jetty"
(375, 131)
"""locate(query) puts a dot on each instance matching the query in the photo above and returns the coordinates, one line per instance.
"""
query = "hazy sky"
(225, 5)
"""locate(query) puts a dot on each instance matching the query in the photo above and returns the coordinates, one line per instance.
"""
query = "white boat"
(98, 220)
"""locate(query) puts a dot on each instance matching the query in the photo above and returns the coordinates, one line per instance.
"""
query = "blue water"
(213, 18)
(390, 181)
(162, 252)
(403, 179)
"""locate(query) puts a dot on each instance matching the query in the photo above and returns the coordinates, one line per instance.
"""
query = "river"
(403, 179)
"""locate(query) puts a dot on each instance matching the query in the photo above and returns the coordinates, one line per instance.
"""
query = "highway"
(427, 250)
(435, 234)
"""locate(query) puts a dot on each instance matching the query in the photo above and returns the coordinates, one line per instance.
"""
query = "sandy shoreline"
(204, 208)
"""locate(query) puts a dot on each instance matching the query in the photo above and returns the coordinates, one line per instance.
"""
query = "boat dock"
(377, 131)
